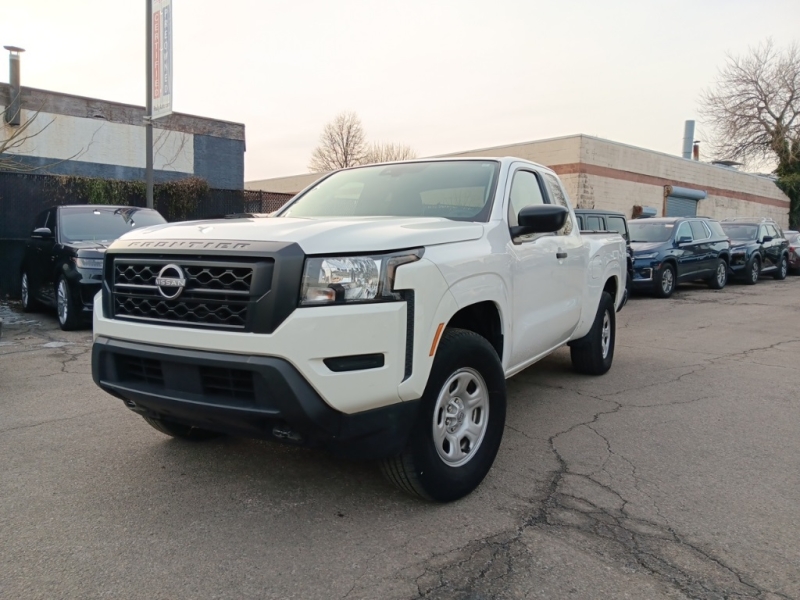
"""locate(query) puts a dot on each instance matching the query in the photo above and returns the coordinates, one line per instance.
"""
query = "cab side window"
(617, 224)
(41, 220)
(526, 190)
(52, 222)
(594, 224)
(558, 196)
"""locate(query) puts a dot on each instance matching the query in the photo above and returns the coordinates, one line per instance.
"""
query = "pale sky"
(439, 75)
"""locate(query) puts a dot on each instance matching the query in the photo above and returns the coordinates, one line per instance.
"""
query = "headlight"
(349, 279)
(89, 263)
(647, 256)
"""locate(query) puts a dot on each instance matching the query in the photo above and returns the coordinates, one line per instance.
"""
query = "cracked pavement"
(673, 476)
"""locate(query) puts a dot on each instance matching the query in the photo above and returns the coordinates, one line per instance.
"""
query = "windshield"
(458, 190)
(649, 231)
(104, 223)
(740, 231)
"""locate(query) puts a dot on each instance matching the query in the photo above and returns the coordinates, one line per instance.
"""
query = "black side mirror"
(42, 233)
(540, 218)
(685, 239)
(767, 238)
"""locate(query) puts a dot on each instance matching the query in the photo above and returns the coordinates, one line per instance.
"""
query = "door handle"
(560, 255)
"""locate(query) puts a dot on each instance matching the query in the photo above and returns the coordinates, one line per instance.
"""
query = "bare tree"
(341, 144)
(388, 152)
(754, 107)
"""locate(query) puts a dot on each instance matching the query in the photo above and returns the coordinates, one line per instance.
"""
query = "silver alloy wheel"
(605, 335)
(754, 271)
(24, 293)
(461, 417)
(667, 281)
(784, 267)
(722, 273)
(61, 297)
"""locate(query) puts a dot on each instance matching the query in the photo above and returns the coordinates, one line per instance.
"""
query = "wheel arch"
(483, 318)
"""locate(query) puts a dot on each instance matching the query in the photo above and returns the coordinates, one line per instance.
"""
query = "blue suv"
(672, 250)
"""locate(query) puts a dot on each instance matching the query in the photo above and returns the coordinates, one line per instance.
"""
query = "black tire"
(589, 354)
(753, 271)
(179, 430)
(29, 304)
(720, 277)
(783, 268)
(665, 282)
(420, 469)
(67, 307)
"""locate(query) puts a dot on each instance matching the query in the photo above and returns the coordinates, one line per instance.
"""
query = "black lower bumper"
(253, 396)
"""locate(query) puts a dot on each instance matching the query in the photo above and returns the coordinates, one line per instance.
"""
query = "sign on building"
(162, 58)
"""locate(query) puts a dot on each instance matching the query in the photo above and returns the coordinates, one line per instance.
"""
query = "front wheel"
(460, 422)
(593, 353)
(720, 277)
(753, 271)
(665, 281)
(783, 269)
(68, 316)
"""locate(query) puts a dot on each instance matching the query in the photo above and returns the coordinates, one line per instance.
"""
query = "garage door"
(681, 207)
(682, 202)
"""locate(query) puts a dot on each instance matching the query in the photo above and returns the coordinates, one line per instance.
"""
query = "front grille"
(228, 383)
(215, 294)
(133, 369)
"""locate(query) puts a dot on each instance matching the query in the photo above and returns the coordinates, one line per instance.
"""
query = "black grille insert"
(214, 294)
(140, 370)
(228, 383)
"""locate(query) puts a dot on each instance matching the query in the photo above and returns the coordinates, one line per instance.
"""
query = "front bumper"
(254, 396)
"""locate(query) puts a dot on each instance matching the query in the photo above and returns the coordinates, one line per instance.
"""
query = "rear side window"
(716, 229)
(594, 224)
(617, 224)
(699, 232)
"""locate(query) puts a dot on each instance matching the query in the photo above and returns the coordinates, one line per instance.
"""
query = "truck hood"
(318, 236)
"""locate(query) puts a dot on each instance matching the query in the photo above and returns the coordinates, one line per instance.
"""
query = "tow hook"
(283, 432)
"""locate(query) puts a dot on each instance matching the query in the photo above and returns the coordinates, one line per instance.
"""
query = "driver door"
(547, 271)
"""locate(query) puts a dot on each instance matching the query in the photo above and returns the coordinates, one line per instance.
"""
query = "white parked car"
(378, 314)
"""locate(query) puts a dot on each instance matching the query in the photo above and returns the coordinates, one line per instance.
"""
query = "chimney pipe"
(696, 151)
(688, 138)
(12, 114)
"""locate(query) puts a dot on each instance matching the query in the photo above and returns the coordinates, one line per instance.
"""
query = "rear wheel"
(665, 281)
(783, 269)
(460, 422)
(28, 302)
(69, 317)
(179, 430)
(594, 353)
(753, 271)
(720, 277)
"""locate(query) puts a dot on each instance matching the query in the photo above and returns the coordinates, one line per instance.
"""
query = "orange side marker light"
(436, 339)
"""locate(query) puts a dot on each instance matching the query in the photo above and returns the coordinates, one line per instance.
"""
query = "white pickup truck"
(377, 314)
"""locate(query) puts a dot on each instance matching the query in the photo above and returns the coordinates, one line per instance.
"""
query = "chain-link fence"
(23, 196)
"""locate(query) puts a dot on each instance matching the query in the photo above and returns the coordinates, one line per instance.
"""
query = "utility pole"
(148, 111)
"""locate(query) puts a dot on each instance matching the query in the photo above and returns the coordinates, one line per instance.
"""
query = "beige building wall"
(604, 174)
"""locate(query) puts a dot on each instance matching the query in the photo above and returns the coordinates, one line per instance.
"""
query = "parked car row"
(667, 251)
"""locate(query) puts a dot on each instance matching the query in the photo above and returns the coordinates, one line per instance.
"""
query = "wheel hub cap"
(460, 417)
(605, 337)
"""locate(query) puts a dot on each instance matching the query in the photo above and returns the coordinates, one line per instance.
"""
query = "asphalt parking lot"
(673, 476)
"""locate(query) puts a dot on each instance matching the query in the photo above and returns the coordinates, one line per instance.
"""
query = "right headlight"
(647, 256)
(352, 279)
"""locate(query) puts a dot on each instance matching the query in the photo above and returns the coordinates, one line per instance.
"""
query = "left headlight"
(89, 263)
(350, 279)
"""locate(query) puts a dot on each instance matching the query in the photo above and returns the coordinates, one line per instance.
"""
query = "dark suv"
(607, 220)
(63, 261)
(758, 246)
(672, 250)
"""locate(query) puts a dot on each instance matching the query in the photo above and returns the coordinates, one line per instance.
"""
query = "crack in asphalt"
(40, 423)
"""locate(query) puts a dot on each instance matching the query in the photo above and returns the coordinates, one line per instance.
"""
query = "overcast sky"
(441, 76)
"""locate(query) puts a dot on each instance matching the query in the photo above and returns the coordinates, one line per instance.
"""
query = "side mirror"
(767, 238)
(540, 218)
(42, 233)
(685, 239)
